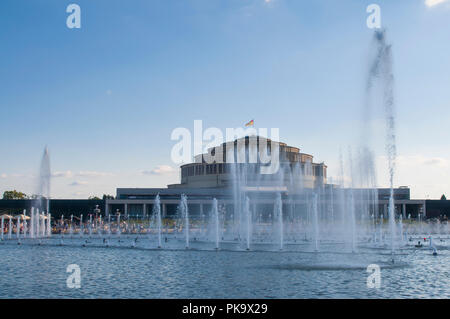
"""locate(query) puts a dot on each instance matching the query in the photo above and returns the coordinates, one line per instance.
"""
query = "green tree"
(14, 195)
(107, 197)
(443, 197)
(94, 198)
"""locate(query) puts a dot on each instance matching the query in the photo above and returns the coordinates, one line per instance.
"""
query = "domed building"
(241, 159)
(235, 169)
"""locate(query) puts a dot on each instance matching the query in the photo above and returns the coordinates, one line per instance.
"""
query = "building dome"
(221, 165)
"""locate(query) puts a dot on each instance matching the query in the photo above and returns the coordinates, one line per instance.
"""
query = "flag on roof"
(251, 123)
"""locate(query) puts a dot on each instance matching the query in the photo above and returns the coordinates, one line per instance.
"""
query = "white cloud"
(66, 174)
(70, 174)
(93, 174)
(432, 3)
(3, 175)
(78, 183)
(160, 170)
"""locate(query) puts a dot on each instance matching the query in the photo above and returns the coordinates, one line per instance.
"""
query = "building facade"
(217, 173)
(221, 165)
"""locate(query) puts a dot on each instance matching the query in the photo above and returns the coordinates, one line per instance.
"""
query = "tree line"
(14, 194)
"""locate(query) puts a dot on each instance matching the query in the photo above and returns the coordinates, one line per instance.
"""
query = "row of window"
(223, 168)
(205, 169)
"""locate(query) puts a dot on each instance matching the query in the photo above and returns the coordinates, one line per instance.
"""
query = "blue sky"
(105, 98)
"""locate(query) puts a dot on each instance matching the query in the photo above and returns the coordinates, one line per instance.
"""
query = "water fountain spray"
(32, 225)
(71, 226)
(3, 226)
(157, 214)
(118, 225)
(215, 210)
(81, 226)
(248, 215)
(315, 222)
(380, 71)
(49, 225)
(18, 228)
(44, 182)
(183, 207)
(278, 211)
(10, 228)
(90, 225)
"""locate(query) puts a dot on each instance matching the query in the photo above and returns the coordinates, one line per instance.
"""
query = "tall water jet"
(90, 225)
(118, 225)
(38, 223)
(342, 196)
(248, 214)
(10, 228)
(390, 132)
(420, 224)
(157, 214)
(332, 202)
(400, 225)
(315, 218)
(71, 226)
(81, 225)
(185, 215)
(215, 210)
(99, 226)
(374, 229)
(32, 225)
(109, 226)
(43, 218)
(392, 226)
(381, 68)
(381, 227)
(61, 226)
(44, 182)
(353, 221)
(18, 228)
(49, 225)
(25, 223)
(278, 212)
(3, 226)
(351, 206)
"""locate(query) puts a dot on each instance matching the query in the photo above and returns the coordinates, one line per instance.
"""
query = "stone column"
(404, 211)
(126, 210)
(144, 210)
